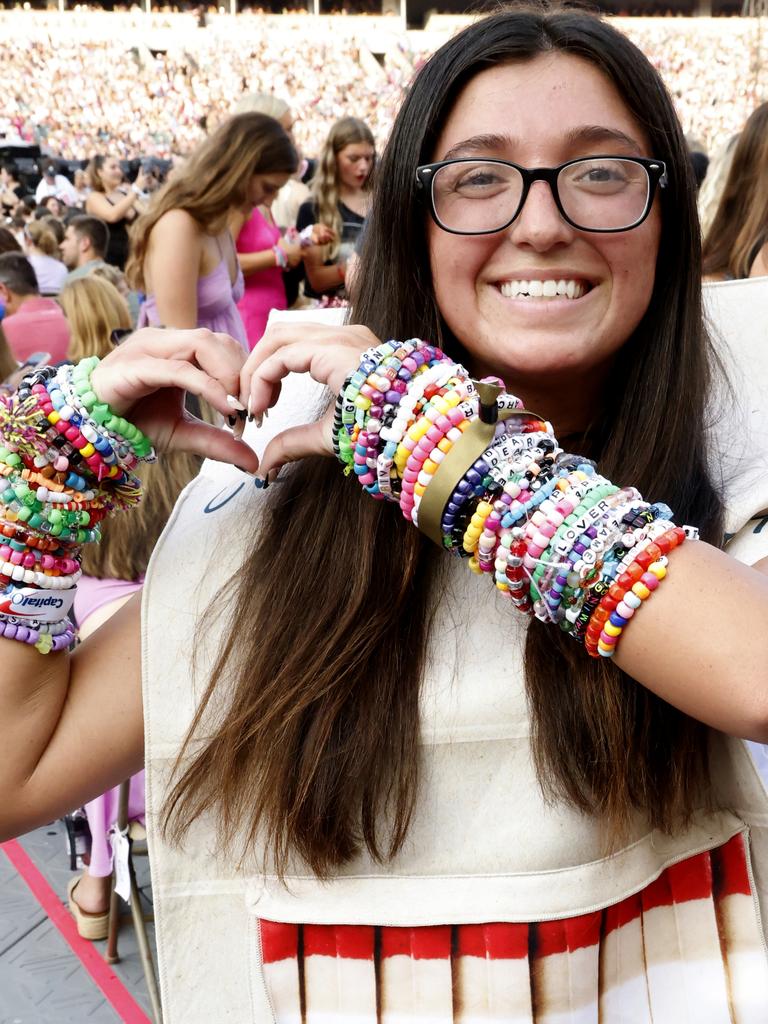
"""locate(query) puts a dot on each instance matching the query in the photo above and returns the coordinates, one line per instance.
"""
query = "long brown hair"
(215, 179)
(317, 748)
(93, 172)
(325, 181)
(740, 225)
(127, 541)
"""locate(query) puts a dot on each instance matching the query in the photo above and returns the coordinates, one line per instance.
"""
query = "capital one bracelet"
(66, 461)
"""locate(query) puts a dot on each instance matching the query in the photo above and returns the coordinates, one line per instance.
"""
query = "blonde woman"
(42, 252)
(114, 201)
(94, 308)
(183, 254)
(341, 190)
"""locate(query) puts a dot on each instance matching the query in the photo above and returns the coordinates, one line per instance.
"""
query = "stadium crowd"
(135, 85)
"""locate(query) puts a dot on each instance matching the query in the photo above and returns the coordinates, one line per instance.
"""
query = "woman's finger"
(121, 385)
(327, 364)
(219, 355)
(192, 435)
(297, 443)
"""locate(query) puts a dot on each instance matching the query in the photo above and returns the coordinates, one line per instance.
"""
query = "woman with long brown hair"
(377, 790)
(183, 255)
(739, 229)
(341, 193)
(114, 201)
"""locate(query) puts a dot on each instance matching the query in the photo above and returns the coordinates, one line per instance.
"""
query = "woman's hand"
(145, 378)
(322, 234)
(328, 354)
(143, 180)
(292, 252)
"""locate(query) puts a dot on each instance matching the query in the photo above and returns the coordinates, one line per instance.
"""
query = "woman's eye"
(614, 174)
(478, 179)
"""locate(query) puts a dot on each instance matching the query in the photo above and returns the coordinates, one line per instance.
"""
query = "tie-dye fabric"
(687, 949)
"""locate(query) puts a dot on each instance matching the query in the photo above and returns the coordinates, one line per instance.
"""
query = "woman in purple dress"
(183, 255)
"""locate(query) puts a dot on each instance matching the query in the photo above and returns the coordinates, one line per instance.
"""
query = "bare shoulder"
(180, 226)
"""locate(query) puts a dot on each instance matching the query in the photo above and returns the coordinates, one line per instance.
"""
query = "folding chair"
(136, 848)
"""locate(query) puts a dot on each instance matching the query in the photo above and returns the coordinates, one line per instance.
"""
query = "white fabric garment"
(534, 860)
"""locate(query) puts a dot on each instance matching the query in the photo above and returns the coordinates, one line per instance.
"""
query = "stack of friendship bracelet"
(66, 461)
(486, 479)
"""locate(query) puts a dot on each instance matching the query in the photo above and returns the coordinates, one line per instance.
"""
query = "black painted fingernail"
(242, 414)
(231, 420)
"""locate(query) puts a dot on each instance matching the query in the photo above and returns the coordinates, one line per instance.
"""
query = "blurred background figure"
(84, 247)
(267, 243)
(94, 308)
(31, 322)
(341, 189)
(739, 229)
(8, 241)
(54, 184)
(111, 574)
(43, 253)
(183, 255)
(114, 202)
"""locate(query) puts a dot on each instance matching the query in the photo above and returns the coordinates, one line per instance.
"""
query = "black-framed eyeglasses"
(596, 193)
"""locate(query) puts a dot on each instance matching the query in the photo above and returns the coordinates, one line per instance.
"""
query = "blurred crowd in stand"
(137, 86)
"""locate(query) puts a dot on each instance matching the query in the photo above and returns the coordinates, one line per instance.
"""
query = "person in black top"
(115, 202)
(340, 196)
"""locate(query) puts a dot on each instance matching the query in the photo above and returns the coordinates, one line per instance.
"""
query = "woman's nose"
(539, 222)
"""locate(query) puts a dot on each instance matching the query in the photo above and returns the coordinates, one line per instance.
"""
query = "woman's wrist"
(281, 259)
(485, 478)
(66, 461)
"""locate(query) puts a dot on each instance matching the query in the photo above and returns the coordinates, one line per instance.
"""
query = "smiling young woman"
(375, 791)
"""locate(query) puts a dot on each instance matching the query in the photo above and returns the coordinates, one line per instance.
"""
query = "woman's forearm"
(324, 279)
(98, 205)
(701, 643)
(252, 262)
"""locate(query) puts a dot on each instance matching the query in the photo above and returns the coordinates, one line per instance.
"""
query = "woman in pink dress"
(263, 253)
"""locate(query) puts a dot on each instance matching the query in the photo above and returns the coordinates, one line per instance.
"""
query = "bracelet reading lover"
(485, 478)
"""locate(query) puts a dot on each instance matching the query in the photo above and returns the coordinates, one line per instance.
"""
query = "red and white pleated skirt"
(687, 949)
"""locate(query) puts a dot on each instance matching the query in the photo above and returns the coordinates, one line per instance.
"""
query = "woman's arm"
(172, 268)
(251, 262)
(98, 205)
(320, 277)
(72, 725)
(700, 642)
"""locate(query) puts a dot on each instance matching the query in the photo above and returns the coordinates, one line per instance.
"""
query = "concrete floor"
(42, 980)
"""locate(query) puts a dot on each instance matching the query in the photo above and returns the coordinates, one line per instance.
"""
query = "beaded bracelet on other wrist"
(485, 479)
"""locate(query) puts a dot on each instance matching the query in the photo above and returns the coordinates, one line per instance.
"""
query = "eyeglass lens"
(598, 193)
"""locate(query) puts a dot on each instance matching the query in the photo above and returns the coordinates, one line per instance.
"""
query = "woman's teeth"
(542, 289)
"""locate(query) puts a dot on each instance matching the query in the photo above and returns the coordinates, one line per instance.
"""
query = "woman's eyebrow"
(478, 144)
(600, 133)
(591, 134)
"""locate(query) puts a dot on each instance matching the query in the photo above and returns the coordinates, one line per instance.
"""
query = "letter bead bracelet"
(485, 478)
(66, 461)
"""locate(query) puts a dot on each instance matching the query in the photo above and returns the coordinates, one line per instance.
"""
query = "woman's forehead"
(554, 104)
